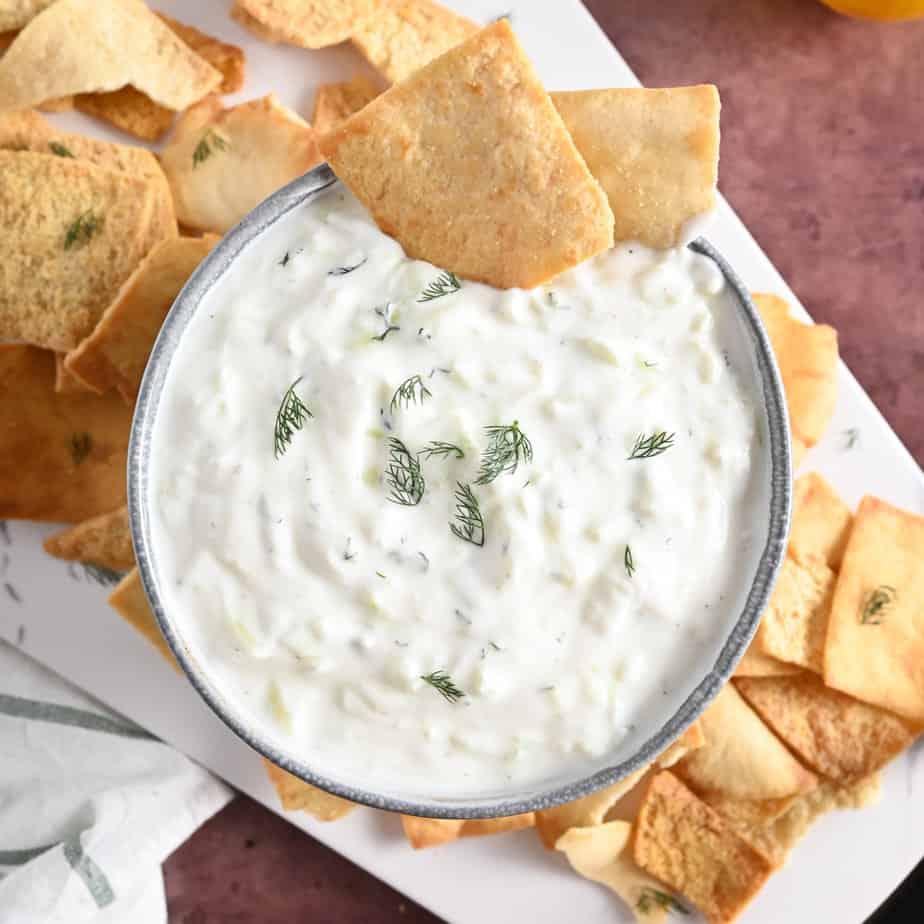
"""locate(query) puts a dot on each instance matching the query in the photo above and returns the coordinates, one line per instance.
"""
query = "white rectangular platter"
(843, 869)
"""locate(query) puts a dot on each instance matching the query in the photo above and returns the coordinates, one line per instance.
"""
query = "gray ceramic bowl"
(303, 190)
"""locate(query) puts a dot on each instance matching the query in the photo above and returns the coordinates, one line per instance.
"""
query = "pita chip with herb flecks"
(104, 540)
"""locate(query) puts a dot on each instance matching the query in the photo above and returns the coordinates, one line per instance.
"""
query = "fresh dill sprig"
(653, 899)
(409, 392)
(290, 417)
(81, 229)
(438, 449)
(508, 446)
(628, 561)
(59, 149)
(81, 444)
(875, 603)
(469, 525)
(384, 312)
(444, 284)
(648, 446)
(403, 475)
(344, 270)
(443, 684)
(210, 141)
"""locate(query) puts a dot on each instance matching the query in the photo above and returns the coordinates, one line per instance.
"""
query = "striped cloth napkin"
(90, 805)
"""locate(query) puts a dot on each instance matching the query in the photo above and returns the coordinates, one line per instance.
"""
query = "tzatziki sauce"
(434, 538)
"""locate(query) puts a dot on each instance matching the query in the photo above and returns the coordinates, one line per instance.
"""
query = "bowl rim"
(304, 190)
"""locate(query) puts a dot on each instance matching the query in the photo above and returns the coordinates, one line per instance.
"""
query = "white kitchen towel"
(90, 805)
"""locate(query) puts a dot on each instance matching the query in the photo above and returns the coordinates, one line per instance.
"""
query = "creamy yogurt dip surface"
(409, 601)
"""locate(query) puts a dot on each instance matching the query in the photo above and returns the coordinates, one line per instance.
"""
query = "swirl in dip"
(314, 572)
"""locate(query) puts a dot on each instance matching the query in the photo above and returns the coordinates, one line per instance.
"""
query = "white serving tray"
(844, 868)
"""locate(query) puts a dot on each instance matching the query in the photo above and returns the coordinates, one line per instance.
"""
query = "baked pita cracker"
(336, 102)
(754, 663)
(432, 832)
(129, 110)
(654, 152)
(254, 26)
(807, 358)
(65, 382)
(14, 14)
(61, 104)
(74, 234)
(129, 601)
(469, 166)
(820, 521)
(837, 736)
(407, 34)
(875, 642)
(91, 46)
(684, 843)
(62, 457)
(115, 354)
(297, 795)
(7, 39)
(311, 23)
(795, 623)
(602, 855)
(479, 827)
(104, 540)
(223, 162)
(228, 59)
(691, 740)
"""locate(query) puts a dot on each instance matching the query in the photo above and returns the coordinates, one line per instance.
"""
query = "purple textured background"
(823, 157)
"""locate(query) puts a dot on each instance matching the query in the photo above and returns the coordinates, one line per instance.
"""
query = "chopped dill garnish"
(851, 437)
(444, 284)
(508, 446)
(210, 141)
(629, 563)
(648, 446)
(439, 449)
(384, 312)
(653, 899)
(469, 525)
(875, 603)
(344, 270)
(403, 475)
(83, 227)
(409, 392)
(81, 444)
(382, 576)
(443, 684)
(381, 337)
(290, 417)
(285, 260)
(61, 150)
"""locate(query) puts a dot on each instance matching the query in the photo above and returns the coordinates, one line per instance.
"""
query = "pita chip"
(833, 734)
(684, 843)
(128, 109)
(228, 59)
(654, 152)
(62, 457)
(92, 46)
(875, 643)
(754, 663)
(336, 102)
(221, 162)
(65, 382)
(470, 167)
(430, 832)
(310, 23)
(104, 540)
(14, 14)
(115, 354)
(129, 601)
(602, 855)
(479, 827)
(297, 795)
(254, 26)
(407, 34)
(820, 521)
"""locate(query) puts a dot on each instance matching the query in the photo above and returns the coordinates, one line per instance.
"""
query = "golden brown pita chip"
(223, 162)
(129, 601)
(754, 663)
(686, 844)
(228, 59)
(74, 233)
(875, 643)
(654, 152)
(807, 357)
(336, 102)
(91, 46)
(297, 795)
(601, 854)
(115, 354)
(61, 104)
(65, 382)
(470, 167)
(104, 540)
(691, 740)
(837, 736)
(795, 623)
(254, 26)
(742, 758)
(62, 457)
(430, 832)
(820, 521)
(311, 23)
(407, 34)
(14, 14)
(6, 39)
(129, 110)
(479, 827)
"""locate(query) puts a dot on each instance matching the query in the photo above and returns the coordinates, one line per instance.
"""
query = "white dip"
(317, 603)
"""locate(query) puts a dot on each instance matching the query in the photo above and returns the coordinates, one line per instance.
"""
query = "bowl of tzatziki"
(447, 549)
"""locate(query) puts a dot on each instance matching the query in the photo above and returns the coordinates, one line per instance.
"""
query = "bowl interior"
(763, 559)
